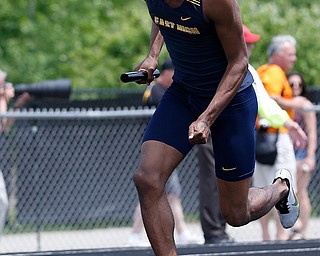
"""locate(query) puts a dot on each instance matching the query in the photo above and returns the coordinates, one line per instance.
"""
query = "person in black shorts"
(211, 93)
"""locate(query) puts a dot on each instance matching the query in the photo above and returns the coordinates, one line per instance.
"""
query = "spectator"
(213, 224)
(281, 58)
(152, 97)
(306, 157)
(6, 94)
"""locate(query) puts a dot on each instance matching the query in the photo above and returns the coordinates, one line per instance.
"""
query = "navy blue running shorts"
(232, 132)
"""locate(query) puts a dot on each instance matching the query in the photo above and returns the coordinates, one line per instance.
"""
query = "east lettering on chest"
(176, 26)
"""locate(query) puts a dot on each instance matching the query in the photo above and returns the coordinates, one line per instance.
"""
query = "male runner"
(211, 93)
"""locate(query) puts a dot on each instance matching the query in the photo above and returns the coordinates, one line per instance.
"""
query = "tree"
(297, 18)
(93, 42)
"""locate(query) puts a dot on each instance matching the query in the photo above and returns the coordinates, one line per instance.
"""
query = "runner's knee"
(147, 181)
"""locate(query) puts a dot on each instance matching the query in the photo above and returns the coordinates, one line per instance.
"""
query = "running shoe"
(288, 207)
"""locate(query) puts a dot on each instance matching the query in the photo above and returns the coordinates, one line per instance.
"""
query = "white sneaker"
(137, 239)
(288, 207)
(186, 238)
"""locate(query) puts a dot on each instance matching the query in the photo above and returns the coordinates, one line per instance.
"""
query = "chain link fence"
(69, 179)
(73, 170)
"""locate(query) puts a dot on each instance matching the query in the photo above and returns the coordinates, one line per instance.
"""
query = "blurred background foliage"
(93, 42)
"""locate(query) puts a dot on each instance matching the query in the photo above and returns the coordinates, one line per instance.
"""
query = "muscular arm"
(150, 63)
(225, 15)
(156, 42)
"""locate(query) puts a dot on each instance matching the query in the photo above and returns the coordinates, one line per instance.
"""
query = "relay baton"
(137, 76)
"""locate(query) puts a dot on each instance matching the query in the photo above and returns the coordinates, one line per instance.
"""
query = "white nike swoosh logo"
(228, 169)
(184, 19)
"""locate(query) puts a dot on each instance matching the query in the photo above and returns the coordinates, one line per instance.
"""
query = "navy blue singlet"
(193, 45)
(200, 63)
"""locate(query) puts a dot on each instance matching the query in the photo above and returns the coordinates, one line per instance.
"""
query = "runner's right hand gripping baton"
(136, 76)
